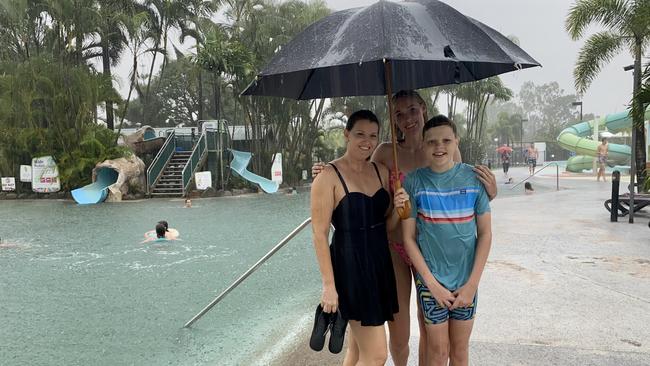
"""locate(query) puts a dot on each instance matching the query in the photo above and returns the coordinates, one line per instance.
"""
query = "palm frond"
(599, 49)
(612, 14)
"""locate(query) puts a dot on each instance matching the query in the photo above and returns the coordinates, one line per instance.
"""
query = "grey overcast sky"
(539, 25)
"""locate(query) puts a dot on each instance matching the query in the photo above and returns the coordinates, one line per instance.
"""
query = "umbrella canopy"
(427, 42)
(502, 149)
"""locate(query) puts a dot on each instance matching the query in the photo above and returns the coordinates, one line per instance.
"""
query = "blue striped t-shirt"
(445, 206)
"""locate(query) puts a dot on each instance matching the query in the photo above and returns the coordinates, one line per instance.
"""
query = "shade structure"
(427, 43)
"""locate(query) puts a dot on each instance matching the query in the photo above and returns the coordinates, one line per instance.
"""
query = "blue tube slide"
(97, 191)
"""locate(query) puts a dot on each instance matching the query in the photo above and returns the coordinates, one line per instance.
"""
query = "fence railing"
(198, 154)
(160, 161)
(557, 176)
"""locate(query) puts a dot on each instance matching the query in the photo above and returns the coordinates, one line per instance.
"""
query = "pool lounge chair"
(640, 202)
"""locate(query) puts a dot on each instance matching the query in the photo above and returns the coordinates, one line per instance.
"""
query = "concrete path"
(563, 284)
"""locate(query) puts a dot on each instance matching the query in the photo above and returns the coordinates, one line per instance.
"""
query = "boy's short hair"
(437, 121)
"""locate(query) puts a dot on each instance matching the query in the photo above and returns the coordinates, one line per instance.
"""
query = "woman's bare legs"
(352, 352)
(371, 343)
(422, 345)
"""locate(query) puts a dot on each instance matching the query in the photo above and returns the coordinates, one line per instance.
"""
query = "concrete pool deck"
(563, 284)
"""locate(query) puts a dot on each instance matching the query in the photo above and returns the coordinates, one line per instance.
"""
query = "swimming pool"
(80, 289)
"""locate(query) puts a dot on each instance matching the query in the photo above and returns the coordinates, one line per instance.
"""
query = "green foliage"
(473, 150)
(96, 145)
(48, 107)
(19, 145)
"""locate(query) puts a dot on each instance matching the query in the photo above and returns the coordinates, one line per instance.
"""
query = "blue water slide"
(239, 163)
(97, 191)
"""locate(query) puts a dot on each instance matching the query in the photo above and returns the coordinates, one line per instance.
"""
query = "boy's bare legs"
(437, 344)
(459, 333)
(400, 328)
(371, 343)
(352, 352)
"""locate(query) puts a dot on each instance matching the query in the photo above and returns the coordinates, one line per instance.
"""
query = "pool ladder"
(249, 272)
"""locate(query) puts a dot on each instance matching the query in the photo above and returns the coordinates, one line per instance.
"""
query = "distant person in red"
(505, 161)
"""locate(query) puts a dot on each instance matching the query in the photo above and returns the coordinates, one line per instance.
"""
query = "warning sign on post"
(8, 184)
(26, 173)
(45, 175)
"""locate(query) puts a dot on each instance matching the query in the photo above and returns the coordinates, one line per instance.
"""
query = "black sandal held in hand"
(337, 332)
(323, 323)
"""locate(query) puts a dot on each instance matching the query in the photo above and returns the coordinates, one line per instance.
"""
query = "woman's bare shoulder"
(383, 153)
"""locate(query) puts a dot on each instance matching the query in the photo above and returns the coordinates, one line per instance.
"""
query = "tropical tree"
(477, 95)
(111, 26)
(507, 128)
(627, 28)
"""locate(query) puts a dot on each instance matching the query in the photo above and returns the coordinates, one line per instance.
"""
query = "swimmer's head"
(164, 224)
(528, 186)
(160, 231)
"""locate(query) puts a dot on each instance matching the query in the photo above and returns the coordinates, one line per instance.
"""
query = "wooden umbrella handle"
(403, 212)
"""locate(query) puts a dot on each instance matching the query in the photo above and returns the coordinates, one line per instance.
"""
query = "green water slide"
(576, 138)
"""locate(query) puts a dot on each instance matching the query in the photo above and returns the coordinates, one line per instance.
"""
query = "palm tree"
(111, 26)
(627, 28)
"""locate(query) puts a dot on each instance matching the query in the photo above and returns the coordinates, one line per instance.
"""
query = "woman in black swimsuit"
(357, 271)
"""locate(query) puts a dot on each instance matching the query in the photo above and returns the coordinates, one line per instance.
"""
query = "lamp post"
(521, 136)
(579, 103)
(633, 156)
(595, 126)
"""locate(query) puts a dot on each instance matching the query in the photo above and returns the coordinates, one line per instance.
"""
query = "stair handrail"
(557, 175)
(250, 271)
(198, 153)
(160, 161)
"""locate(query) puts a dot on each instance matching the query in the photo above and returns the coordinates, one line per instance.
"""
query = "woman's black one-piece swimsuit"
(363, 270)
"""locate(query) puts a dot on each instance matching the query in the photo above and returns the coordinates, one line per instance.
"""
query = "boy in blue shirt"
(448, 239)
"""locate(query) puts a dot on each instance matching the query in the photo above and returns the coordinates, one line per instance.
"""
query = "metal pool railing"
(160, 161)
(198, 154)
(557, 176)
(250, 271)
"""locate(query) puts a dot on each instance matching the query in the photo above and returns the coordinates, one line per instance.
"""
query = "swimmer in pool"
(4, 244)
(162, 232)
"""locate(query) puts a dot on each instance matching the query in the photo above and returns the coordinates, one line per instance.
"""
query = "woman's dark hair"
(439, 120)
(359, 115)
(528, 186)
(160, 231)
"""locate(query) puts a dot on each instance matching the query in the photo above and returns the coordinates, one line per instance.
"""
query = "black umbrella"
(387, 46)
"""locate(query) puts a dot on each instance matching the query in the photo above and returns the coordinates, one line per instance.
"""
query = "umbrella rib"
(304, 86)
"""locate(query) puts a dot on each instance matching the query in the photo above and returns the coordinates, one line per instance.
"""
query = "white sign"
(276, 168)
(8, 183)
(203, 180)
(26, 173)
(45, 175)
